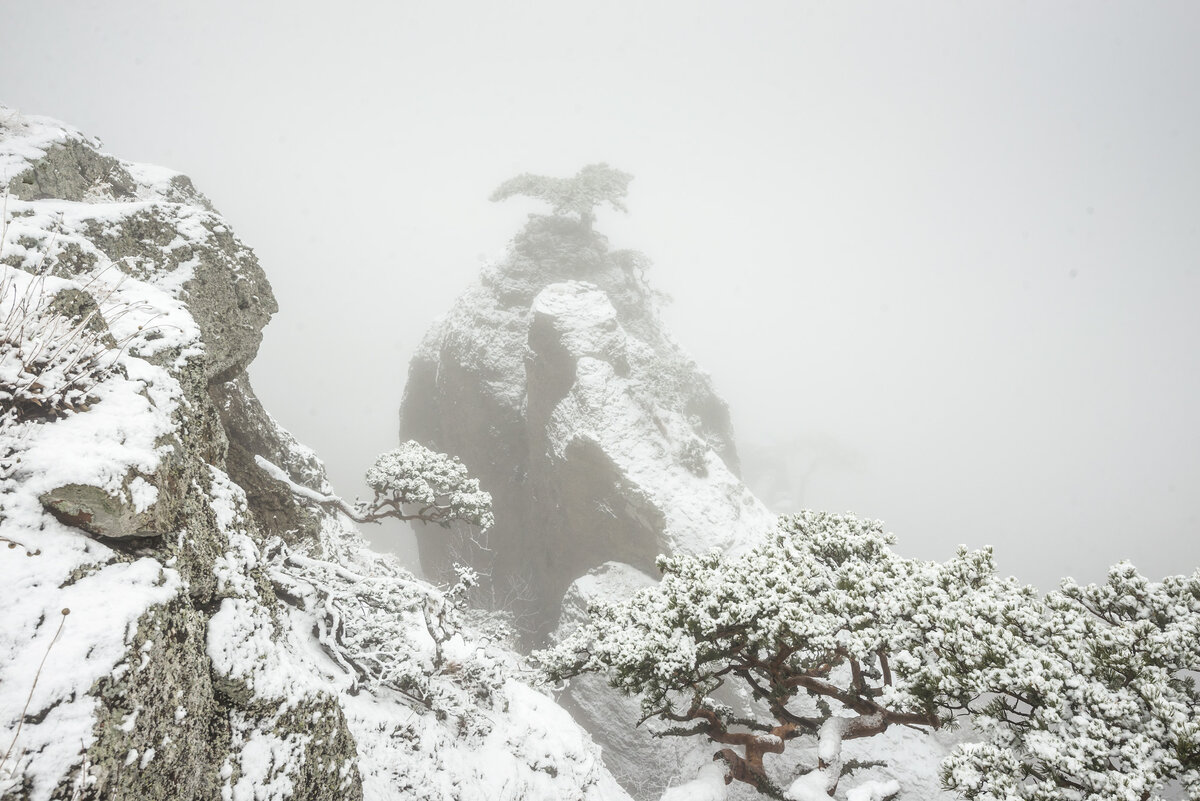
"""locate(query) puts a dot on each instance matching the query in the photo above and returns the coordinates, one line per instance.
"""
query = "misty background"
(942, 259)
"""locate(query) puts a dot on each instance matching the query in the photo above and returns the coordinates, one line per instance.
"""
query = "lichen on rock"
(73, 169)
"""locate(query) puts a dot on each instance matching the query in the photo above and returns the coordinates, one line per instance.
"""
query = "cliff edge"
(179, 622)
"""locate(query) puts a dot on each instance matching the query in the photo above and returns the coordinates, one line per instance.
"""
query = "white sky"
(949, 250)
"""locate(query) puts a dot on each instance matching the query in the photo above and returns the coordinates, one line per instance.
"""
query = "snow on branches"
(588, 188)
(50, 358)
(370, 624)
(1085, 696)
(818, 624)
(410, 483)
(438, 485)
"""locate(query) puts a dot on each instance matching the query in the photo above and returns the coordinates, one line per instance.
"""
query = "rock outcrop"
(599, 439)
(177, 624)
(603, 446)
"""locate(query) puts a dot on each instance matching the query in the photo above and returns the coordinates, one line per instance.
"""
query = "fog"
(942, 259)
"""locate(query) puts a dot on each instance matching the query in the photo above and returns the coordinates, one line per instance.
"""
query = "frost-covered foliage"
(411, 482)
(366, 624)
(50, 359)
(591, 186)
(437, 485)
(1087, 695)
(822, 625)
(431, 693)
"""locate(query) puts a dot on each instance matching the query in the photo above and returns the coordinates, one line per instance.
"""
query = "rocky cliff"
(598, 437)
(601, 441)
(603, 445)
(178, 622)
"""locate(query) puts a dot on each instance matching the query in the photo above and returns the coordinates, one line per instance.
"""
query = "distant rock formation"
(599, 439)
(603, 445)
(223, 641)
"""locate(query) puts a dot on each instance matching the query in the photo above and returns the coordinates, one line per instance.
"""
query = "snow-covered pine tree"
(1087, 695)
(411, 483)
(813, 634)
(436, 488)
(580, 194)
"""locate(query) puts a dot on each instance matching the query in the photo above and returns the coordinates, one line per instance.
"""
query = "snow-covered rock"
(643, 764)
(603, 446)
(598, 438)
(602, 443)
(709, 785)
(177, 624)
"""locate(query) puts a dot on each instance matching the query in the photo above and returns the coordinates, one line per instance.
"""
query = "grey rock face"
(174, 691)
(227, 292)
(81, 308)
(555, 383)
(73, 170)
(602, 444)
(224, 641)
(167, 725)
(252, 433)
(95, 511)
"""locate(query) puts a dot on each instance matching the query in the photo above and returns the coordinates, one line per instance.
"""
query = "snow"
(142, 494)
(809, 787)
(276, 472)
(709, 785)
(874, 791)
(583, 317)
(701, 511)
(26, 138)
(485, 734)
(109, 600)
(829, 741)
(263, 759)
(912, 758)
(113, 446)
